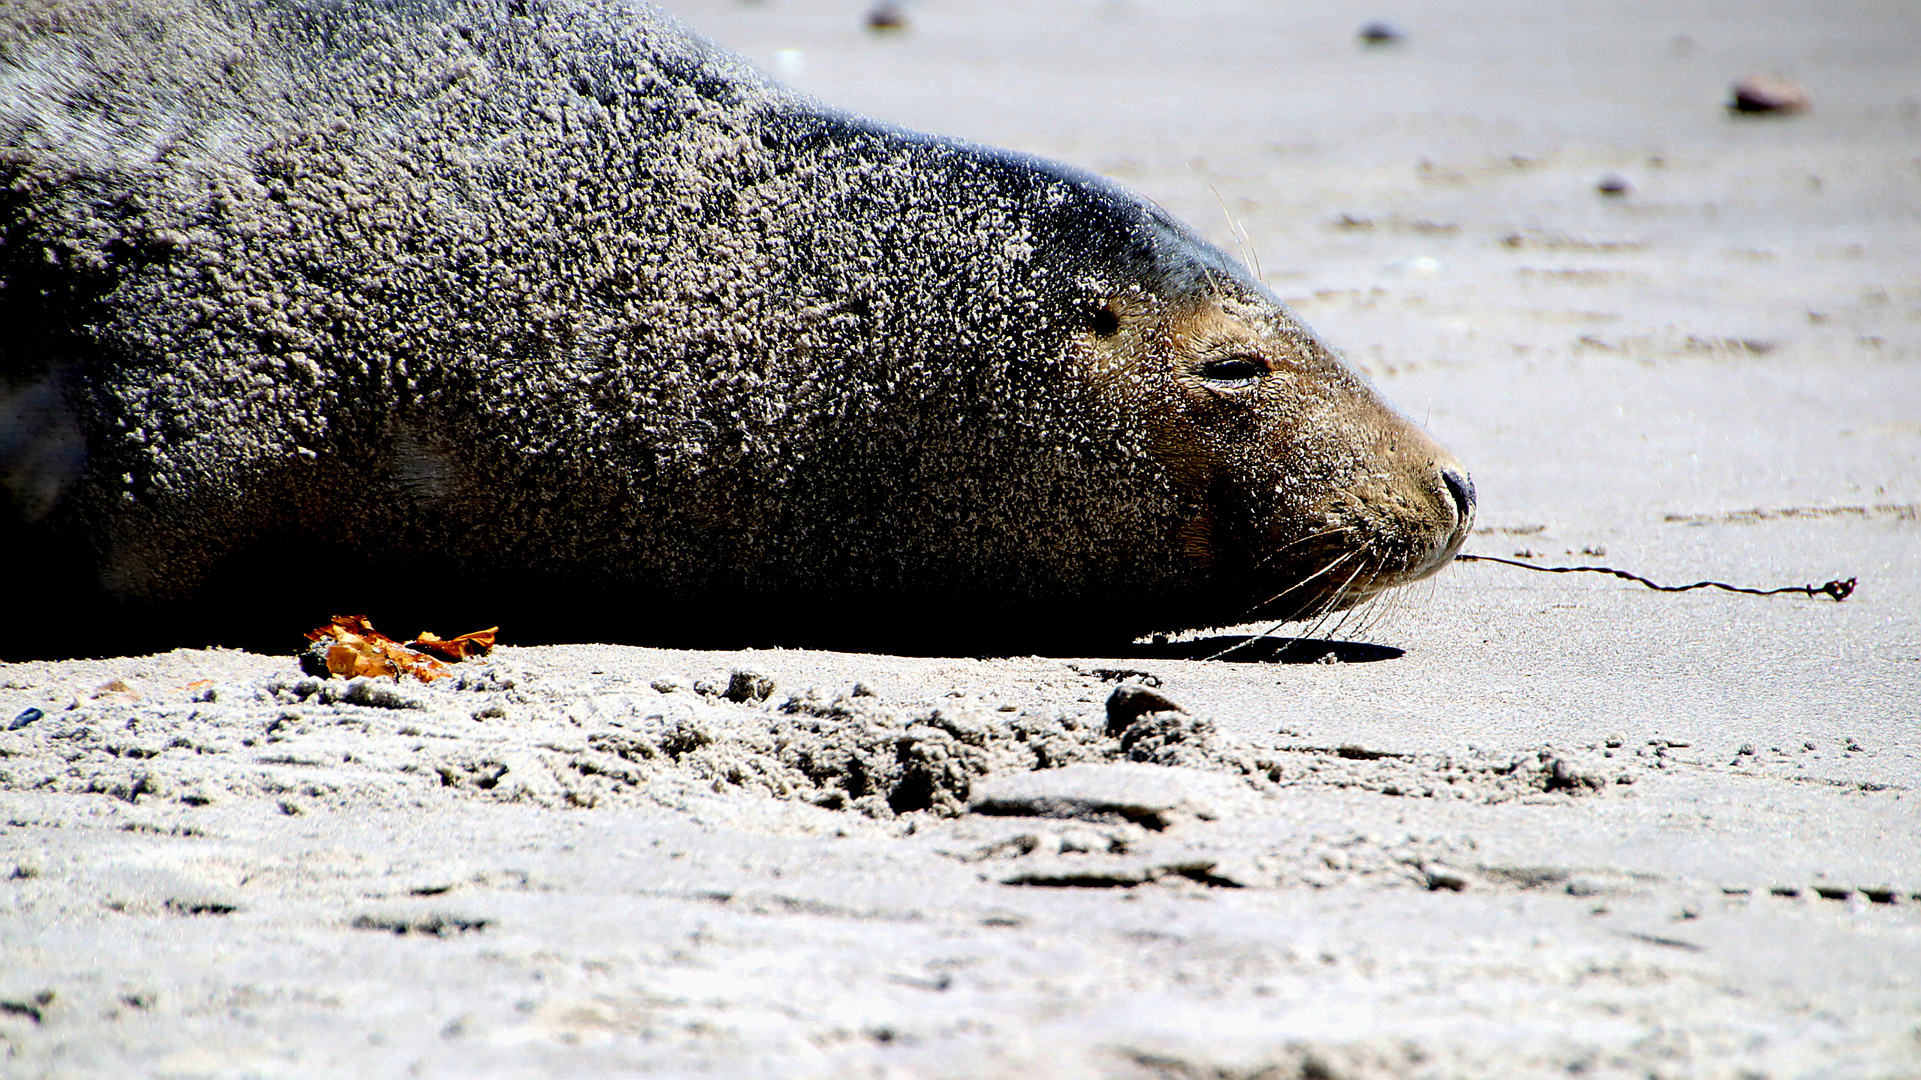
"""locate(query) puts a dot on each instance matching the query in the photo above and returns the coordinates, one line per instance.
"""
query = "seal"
(548, 313)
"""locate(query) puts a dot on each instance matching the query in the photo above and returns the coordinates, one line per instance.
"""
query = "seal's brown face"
(1306, 493)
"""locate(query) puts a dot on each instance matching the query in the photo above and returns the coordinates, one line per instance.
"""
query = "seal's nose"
(1462, 488)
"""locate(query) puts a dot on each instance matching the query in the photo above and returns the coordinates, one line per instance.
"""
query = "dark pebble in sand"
(1611, 184)
(886, 16)
(27, 716)
(1130, 702)
(1768, 94)
(746, 686)
(1380, 33)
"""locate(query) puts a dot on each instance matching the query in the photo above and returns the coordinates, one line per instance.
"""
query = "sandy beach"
(1503, 824)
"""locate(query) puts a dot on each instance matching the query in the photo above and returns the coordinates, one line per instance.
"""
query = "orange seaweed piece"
(355, 648)
(454, 650)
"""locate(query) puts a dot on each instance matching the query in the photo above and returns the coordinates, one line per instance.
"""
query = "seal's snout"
(1462, 489)
(1450, 514)
(1459, 491)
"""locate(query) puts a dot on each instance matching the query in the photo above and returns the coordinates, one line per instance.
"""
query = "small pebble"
(1379, 32)
(27, 716)
(886, 15)
(745, 686)
(1585, 886)
(1614, 184)
(115, 692)
(1768, 94)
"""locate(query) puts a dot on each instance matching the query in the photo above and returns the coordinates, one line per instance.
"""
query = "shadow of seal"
(548, 313)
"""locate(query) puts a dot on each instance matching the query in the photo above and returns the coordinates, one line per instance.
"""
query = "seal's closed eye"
(1234, 371)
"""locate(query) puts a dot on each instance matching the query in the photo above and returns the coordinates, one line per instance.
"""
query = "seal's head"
(1303, 492)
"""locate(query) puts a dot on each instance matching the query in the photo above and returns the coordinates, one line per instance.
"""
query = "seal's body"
(548, 309)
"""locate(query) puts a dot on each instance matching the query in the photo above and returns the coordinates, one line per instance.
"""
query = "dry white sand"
(1576, 829)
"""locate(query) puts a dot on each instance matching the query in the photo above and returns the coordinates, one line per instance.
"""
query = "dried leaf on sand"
(464, 647)
(355, 648)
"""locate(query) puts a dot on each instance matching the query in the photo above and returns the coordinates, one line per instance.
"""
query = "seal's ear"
(1103, 319)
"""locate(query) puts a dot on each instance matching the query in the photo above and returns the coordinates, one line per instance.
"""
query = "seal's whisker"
(1330, 566)
(1334, 604)
(1379, 606)
(1250, 257)
(1269, 632)
(1423, 592)
(1298, 541)
(1356, 619)
(1328, 611)
(1248, 640)
(1311, 633)
(1387, 607)
(1378, 610)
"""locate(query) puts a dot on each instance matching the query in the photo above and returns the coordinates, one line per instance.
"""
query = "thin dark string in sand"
(1839, 590)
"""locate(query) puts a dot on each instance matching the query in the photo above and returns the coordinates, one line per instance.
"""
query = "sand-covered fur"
(556, 301)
